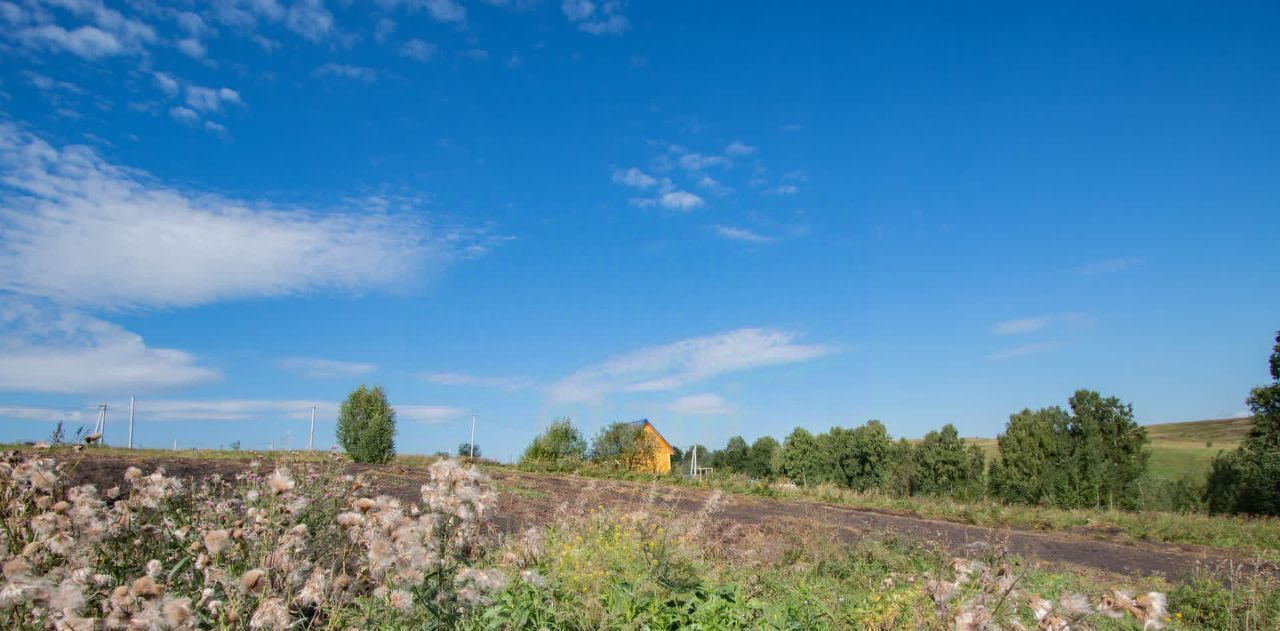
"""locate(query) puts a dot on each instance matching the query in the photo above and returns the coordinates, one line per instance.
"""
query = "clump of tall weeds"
(298, 547)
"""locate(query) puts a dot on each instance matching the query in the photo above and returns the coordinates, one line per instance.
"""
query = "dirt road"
(530, 499)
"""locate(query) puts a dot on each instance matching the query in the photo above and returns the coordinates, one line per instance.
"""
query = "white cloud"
(1023, 325)
(87, 41)
(707, 404)
(109, 32)
(739, 149)
(217, 129)
(309, 19)
(1024, 350)
(418, 50)
(429, 414)
(192, 47)
(81, 231)
(698, 161)
(1031, 325)
(383, 28)
(317, 368)
(208, 100)
(478, 381)
(445, 10)
(344, 71)
(680, 200)
(1110, 266)
(634, 177)
(713, 185)
(602, 19)
(184, 114)
(166, 83)
(52, 349)
(785, 189)
(741, 234)
(233, 410)
(685, 362)
(39, 414)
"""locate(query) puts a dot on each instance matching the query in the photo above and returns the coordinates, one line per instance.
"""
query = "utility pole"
(693, 467)
(473, 435)
(100, 427)
(131, 410)
(311, 434)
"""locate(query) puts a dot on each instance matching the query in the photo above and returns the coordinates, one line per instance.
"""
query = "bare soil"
(528, 499)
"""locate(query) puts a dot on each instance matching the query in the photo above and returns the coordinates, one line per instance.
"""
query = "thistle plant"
(300, 547)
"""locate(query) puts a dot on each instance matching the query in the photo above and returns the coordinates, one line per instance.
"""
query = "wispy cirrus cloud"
(1022, 326)
(80, 231)
(743, 235)
(685, 362)
(363, 74)
(706, 404)
(1024, 350)
(318, 368)
(510, 382)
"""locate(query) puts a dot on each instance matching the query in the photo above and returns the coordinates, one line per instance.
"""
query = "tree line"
(1089, 454)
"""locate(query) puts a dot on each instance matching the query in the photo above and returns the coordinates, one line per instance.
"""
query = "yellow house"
(662, 452)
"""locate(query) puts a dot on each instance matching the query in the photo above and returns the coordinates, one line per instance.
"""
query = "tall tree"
(734, 456)
(946, 465)
(801, 462)
(367, 425)
(760, 458)
(1108, 453)
(1248, 479)
(1030, 451)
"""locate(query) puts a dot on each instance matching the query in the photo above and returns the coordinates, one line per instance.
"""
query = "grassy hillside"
(1177, 449)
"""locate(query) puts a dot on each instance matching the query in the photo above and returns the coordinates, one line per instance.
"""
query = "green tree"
(946, 465)
(1030, 451)
(1105, 455)
(860, 456)
(1248, 479)
(734, 457)
(464, 450)
(623, 445)
(367, 426)
(801, 461)
(900, 468)
(760, 458)
(561, 445)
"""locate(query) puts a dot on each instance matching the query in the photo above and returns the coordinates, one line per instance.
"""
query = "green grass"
(1181, 449)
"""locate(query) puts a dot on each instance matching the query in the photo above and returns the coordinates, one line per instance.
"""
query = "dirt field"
(529, 499)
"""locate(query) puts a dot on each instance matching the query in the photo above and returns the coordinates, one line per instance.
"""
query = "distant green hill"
(1179, 448)
(1188, 447)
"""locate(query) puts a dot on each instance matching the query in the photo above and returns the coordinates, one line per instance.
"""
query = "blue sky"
(730, 218)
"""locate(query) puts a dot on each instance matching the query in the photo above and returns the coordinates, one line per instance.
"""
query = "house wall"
(661, 462)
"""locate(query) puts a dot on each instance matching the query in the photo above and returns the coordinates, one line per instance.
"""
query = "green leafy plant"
(367, 425)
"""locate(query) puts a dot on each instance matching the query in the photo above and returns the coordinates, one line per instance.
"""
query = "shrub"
(623, 446)
(367, 426)
(561, 446)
